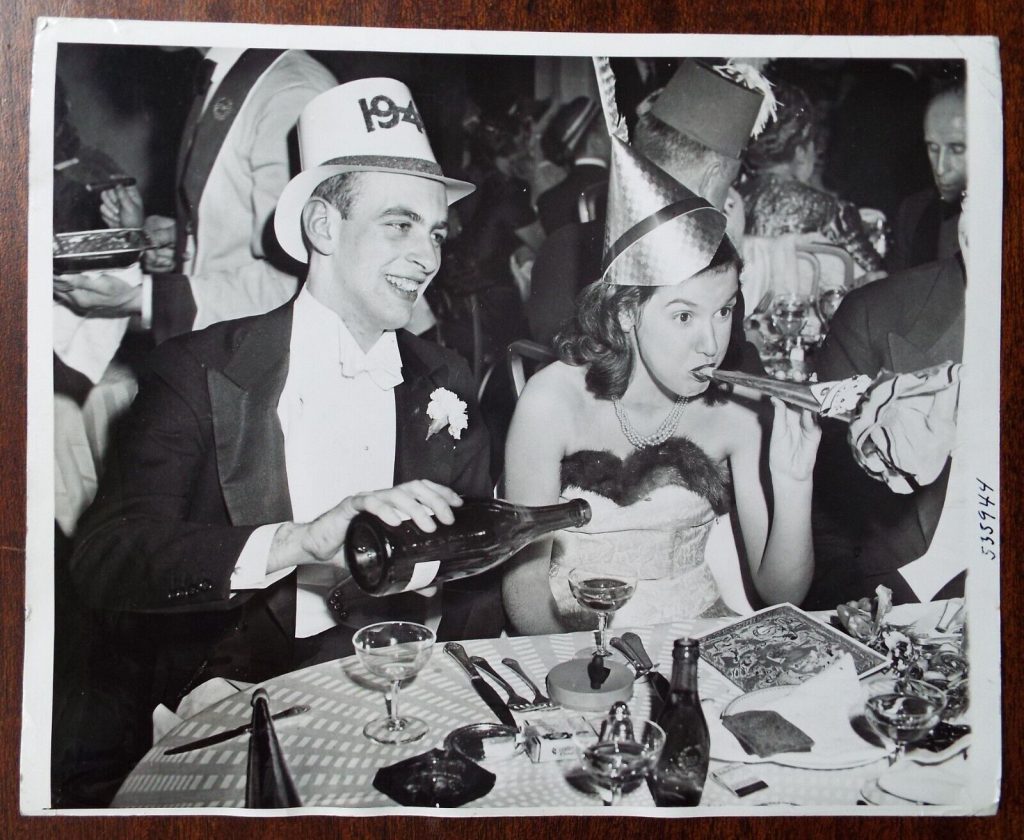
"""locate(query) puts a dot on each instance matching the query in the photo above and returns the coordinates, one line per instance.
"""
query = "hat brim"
(288, 215)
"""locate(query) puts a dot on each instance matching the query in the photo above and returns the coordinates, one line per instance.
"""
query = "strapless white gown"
(652, 513)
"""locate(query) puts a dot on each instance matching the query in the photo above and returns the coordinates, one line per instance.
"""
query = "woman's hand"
(794, 443)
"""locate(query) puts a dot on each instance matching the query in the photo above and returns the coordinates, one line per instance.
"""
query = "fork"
(539, 700)
(515, 702)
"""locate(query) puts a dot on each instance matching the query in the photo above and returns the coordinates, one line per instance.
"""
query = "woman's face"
(684, 329)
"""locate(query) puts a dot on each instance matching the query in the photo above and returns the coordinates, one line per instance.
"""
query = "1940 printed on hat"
(368, 125)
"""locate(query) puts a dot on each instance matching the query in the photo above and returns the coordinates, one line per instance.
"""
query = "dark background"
(860, 17)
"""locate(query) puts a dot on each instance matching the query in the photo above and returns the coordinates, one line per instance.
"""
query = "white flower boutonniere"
(445, 408)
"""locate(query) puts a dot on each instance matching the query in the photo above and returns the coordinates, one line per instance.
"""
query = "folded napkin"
(905, 426)
(88, 344)
(199, 698)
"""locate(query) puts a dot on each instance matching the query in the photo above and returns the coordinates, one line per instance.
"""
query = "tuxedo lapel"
(415, 455)
(247, 431)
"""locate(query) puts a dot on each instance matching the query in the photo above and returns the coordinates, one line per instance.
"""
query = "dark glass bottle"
(385, 559)
(678, 777)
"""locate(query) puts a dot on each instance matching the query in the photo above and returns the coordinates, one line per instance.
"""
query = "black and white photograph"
(496, 424)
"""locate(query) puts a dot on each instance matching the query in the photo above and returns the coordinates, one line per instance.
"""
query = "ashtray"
(91, 250)
(485, 743)
(435, 779)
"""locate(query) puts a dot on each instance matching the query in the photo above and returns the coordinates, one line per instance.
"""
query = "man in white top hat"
(255, 441)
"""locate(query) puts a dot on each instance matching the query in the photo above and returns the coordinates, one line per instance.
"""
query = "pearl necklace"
(659, 435)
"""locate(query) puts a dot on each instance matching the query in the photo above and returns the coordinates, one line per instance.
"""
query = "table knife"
(482, 687)
(228, 734)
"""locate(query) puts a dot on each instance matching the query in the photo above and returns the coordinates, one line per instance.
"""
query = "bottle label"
(423, 575)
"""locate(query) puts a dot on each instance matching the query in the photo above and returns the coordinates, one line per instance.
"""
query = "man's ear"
(320, 223)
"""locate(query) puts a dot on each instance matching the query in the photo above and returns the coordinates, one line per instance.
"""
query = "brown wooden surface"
(835, 17)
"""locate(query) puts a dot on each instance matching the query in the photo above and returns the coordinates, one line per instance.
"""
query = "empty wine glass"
(623, 758)
(602, 591)
(906, 714)
(395, 650)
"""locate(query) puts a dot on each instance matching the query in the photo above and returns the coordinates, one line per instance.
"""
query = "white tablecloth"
(333, 764)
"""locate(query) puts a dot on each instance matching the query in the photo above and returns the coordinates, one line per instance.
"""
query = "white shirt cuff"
(146, 316)
(251, 567)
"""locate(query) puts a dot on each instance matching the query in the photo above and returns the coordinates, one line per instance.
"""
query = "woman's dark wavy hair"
(594, 336)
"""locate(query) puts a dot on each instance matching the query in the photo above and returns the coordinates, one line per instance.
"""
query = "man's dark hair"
(595, 338)
(339, 191)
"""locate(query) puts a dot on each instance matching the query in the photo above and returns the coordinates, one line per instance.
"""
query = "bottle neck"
(684, 672)
(571, 514)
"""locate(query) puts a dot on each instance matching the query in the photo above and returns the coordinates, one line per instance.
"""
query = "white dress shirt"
(337, 413)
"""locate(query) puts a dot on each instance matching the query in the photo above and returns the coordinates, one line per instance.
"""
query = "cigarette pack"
(555, 737)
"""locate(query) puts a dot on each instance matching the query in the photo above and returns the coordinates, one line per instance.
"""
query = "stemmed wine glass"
(602, 591)
(789, 316)
(614, 763)
(395, 650)
(906, 714)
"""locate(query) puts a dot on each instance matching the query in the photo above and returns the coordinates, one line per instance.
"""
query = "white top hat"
(369, 125)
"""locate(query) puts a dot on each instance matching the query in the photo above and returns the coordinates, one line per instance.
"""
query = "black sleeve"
(157, 536)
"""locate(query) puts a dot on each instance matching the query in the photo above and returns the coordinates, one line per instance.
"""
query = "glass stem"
(602, 628)
(393, 709)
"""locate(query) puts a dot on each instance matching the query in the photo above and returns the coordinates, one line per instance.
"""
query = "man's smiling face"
(388, 249)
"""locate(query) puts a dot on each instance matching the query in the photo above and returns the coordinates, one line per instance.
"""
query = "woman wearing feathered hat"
(627, 420)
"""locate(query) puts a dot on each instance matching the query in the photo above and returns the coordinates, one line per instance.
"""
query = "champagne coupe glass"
(395, 650)
(789, 316)
(603, 591)
(906, 714)
(613, 764)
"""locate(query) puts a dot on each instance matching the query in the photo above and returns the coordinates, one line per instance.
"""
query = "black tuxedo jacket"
(199, 464)
(559, 206)
(863, 531)
(925, 230)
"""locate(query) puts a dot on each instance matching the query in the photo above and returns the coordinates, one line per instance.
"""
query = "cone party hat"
(657, 232)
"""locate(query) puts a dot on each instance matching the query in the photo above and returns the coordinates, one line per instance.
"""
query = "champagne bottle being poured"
(385, 559)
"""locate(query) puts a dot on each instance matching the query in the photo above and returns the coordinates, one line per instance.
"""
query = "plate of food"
(92, 250)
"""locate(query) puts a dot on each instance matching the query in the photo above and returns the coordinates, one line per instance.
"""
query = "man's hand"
(162, 232)
(97, 295)
(321, 540)
(121, 207)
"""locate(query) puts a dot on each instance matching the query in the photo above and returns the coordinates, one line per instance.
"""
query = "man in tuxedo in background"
(864, 533)
(577, 139)
(925, 228)
(218, 528)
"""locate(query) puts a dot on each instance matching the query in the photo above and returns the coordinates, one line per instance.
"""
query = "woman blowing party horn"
(629, 420)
